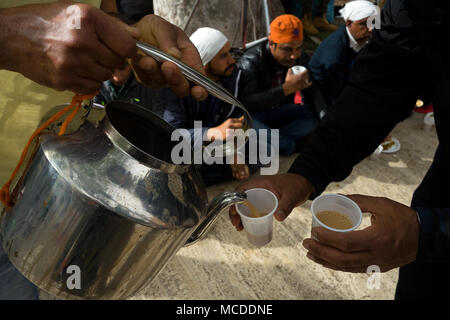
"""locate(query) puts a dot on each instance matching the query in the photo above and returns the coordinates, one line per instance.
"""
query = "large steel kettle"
(100, 211)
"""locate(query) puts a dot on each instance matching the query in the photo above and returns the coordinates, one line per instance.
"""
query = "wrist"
(288, 89)
(303, 185)
(11, 38)
(4, 35)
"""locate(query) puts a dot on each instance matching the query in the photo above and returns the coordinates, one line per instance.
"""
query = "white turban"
(208, 42)
(358, 10)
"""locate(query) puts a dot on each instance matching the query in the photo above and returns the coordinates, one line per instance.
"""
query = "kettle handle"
(218, 204)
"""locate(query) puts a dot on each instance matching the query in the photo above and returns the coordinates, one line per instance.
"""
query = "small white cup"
(338, 203)
(259, 230)
(377, 152)
(428, 121)
(298, 69)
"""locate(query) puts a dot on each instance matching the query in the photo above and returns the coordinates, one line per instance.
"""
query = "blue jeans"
(13, 285)
(293, 121)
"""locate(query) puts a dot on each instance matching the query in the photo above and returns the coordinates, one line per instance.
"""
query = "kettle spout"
(218, 204)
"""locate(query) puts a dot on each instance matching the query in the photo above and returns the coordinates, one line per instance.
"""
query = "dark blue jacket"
(331, 63)
(181, 113)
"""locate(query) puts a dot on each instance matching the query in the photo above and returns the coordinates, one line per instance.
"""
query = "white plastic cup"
(298, 69)
(259, 230)
(377, 152)
(428, 121)
(338, 203)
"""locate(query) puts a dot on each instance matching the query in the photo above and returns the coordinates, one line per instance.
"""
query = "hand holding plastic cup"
(258, 229)
(301, 69)
(298, 69)
(337, 203)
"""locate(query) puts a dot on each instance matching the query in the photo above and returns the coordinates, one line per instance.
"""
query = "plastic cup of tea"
(337, 203)
(259, 230)
(298, 69)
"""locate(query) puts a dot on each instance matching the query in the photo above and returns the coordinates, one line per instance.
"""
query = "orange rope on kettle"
(5, 196)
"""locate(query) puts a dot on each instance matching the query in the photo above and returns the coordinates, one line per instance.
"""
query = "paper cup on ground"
(259, 230)
(298, 69)
(337, 203)
(428, 121)
(377, 152)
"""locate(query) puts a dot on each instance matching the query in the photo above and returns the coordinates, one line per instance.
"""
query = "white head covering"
(208, 42)
(358, 10)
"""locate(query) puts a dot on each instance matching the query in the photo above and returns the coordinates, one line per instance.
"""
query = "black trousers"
(419, 280)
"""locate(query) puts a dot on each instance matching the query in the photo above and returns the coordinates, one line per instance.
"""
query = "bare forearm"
(18, 46)
(263, 101)
(6, 38)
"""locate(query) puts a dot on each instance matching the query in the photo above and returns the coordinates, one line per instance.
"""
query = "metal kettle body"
(101, 211)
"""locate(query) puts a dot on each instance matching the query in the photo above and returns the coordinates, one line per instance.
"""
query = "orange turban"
(286, 28)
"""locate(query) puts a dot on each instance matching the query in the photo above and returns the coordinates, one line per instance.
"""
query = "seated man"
(123, 86)
(331, 63)
(270, 90)
(216, 115)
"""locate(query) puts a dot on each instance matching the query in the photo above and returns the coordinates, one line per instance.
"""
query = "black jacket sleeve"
(254, 93)
(434, 237)
(256, 99)
(382, 91)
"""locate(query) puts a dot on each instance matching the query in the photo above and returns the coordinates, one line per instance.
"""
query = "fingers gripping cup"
(336, 213)
(257, 215)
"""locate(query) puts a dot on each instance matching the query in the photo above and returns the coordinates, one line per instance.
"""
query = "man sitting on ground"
(270, 90)
(216, 115)
(331, 63)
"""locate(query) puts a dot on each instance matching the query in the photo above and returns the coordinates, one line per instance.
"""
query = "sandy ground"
(226, 266)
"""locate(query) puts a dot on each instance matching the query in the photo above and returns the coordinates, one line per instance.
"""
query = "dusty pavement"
(226, 266)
